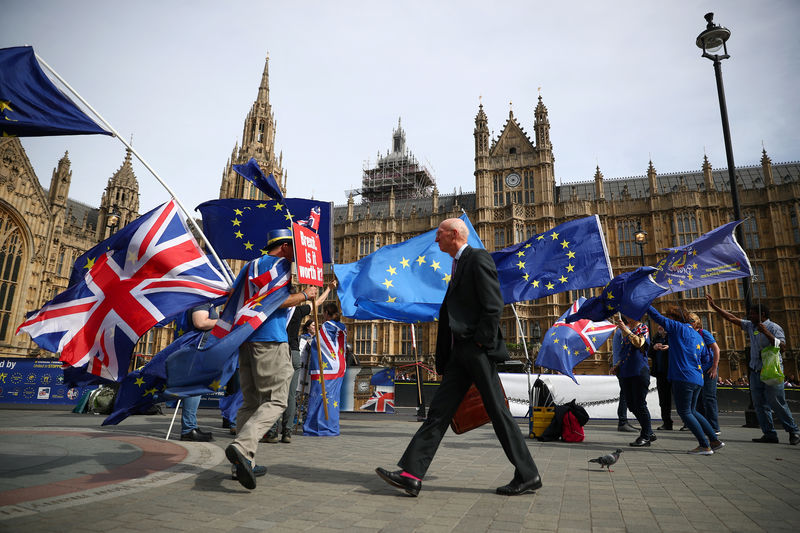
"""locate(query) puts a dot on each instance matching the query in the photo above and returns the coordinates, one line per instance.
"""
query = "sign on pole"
(308, 256)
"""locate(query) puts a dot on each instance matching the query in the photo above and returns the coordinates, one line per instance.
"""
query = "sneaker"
(718, 433)
(272, 438)
(627, 428)
(794, 439)
(287, 438)
(640, 442)
(701, 451)
(683, 428)
(717, 445)
(767, 439)
(258, 471)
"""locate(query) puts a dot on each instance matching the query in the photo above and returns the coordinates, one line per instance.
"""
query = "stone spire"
(60, 182)
(599, 193)
(708, 177)
(766, 168)
(541, 125)
(121, 196)
(651, 178)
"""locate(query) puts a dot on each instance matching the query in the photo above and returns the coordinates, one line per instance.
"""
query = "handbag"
(471, 413)
(772, 365)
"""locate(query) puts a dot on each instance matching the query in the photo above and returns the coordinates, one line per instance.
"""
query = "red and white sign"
(308, 256)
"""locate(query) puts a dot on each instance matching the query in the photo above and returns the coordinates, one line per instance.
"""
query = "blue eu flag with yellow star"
(405, 282)
(31, 106)
(571, 256)
(237, 229)
(630, 293)
(253, 173)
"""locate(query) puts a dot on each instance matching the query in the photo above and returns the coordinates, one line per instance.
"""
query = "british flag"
(154, 270)
(312, 222)
(381, 402)
(333, 336)
(567, 344)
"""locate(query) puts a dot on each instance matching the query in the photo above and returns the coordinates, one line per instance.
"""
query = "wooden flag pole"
(319, 360)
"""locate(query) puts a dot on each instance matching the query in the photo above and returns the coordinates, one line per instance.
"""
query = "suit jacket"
(471, 309)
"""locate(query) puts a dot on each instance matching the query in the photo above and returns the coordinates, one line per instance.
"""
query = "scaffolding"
(398, 173)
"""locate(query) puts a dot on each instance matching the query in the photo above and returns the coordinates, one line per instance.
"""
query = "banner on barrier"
(37, 381)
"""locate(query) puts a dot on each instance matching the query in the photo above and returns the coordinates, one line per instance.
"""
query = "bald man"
(468, 347)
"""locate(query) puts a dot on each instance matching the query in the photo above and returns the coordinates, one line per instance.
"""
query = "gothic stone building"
(516, 197)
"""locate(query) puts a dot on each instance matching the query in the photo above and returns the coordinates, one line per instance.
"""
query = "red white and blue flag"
(312, 222)
(567, 344)
(333, 338)
(381, 402)
(154, 269)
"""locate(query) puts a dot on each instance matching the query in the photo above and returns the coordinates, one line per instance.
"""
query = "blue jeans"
(708, 400)
(685, 395)
(189, 413)
(634, 389)
(769, 398)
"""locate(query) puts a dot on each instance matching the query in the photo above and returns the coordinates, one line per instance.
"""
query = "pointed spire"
(510, 110)
(541, 126)
(263, 89)
(652, 178)
(766, 167)
(599, 190)
(708, 177)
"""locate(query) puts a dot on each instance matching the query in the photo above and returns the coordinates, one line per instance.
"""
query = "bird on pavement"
(607, 460)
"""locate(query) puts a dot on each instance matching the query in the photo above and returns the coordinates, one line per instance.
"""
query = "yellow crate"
(540, 419)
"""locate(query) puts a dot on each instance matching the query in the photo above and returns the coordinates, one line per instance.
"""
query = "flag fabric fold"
(405, 282)
(154, 270)
(333, 338)
(31, 105)
(629, 293)
(253, 173)
(237, 229)
(711, 258)
(571, 256)
(565, 344)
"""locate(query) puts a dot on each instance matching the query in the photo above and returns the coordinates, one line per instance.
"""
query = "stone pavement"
(62, 472)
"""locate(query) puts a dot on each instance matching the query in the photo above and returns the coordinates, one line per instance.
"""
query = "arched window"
(11, 252)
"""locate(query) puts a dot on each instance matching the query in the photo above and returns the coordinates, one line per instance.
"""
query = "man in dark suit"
(468, 346)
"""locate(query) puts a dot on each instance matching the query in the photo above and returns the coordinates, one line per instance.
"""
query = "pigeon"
(607, 460)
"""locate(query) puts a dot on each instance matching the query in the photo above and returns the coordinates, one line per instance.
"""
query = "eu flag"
(237, 229)
(711, 258)
(566, 344)
(629, 293)
(252, 172)
(571, 256)
(405, 282)
(30, 105)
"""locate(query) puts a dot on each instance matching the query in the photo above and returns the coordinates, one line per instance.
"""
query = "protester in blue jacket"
(633, 373)
(685, 347)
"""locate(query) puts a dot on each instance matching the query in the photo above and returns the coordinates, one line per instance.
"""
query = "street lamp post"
(710, 41)
(112, 220)
(641, 239)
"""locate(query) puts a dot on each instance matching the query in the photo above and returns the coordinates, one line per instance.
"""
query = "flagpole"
(223, 268)
(528, 359)
(418, 372)
(319, 360)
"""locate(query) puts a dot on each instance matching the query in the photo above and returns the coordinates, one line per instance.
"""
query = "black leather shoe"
(196, 435)
(764, 438)
(515, 488)
(652, 437)
(244, 470)
(664, 427)
(794, 439)
(395, 479)
(640, 442)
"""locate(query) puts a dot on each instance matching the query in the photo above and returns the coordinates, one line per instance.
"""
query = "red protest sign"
(308, 256)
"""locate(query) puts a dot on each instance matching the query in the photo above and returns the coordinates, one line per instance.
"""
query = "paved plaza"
(64, 472)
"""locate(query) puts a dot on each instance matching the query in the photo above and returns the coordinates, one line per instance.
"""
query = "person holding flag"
(265, 364)
(633, 372)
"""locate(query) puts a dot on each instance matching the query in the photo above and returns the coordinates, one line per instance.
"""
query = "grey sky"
(623, 82)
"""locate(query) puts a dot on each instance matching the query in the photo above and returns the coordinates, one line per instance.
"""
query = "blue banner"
(36, 381)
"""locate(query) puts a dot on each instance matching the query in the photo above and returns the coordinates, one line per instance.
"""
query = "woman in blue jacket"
(685, 348)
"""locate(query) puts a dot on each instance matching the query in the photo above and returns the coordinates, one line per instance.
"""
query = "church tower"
(121, 198)
(258, 141)
(59, 184)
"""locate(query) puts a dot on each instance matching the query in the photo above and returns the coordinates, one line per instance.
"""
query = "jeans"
(708, 401)
(189, 413)
(685, 395)
(634, 389)
(769, 398)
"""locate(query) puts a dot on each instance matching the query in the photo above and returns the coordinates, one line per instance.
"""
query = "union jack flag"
(154, 270)
(567, 344)
(333, 338)
(381, 402)
(312, 222)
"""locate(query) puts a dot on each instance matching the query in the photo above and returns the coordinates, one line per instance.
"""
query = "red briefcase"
(471, 413)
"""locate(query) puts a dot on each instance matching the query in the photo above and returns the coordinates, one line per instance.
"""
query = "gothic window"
(688, 229)
(260, 131)
(512, 150)
(795, 227)
(366, 339)
(750, 231)
(366, 245)
(60, 263)
(406, 345)
(11, 252)
(586, 293)
(625, 237)
(499, 239)
(498, 190)
(758, 284)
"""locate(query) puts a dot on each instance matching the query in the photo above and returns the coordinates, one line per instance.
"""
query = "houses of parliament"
(515, 196)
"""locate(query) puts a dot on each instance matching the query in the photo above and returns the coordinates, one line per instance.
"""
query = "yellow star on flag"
(391, 299)
(549, 286)
(139, 381)
(520, 254)
(669, 280)
(420, 260)
(239, 234)
(446, 278)
(248, 245)
(610, 295)
(239, 212)
(528, 245)
(554, 235)
(570, 268)
(388, 283)
(391, 270)
(565, 243)
(236, 222)
(5, 104)
(540, 237)
(288, 216)
(555, 341)
(680, 282)
(521, 265)
(535, 283)
(435, 265)
(262, 206)
(151, 392)
(690, 276)
(525, 277)
(404, 262)
(571, 255)
(562, 279)
(278, 206)
(214, 385)
(89, 263)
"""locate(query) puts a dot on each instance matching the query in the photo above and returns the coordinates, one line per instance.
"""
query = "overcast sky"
(623, 82)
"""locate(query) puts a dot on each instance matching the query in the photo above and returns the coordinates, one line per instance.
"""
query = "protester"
(285, 424)
(469, 344)
(709, 361)
(686, 377)
(763, 332)
(265, 366)
(622, 404)
(658, 352)
(200, 318)
(633, 373)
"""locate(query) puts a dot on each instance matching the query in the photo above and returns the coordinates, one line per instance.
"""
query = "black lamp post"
(641, 239)
(710, 41)
(112, 220)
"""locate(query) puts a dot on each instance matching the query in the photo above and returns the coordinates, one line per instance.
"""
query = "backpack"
(571, 429)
